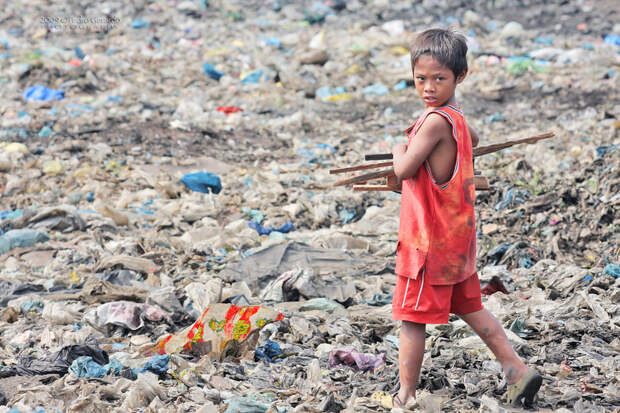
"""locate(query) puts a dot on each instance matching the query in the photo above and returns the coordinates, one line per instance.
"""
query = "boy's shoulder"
(434, 124)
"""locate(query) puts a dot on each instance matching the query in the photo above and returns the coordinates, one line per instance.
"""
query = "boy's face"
(434, 82)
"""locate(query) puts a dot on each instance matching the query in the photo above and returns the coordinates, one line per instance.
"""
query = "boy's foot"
(526, 388)
(399, 406)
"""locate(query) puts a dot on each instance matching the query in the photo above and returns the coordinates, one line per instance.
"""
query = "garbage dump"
(171, 241)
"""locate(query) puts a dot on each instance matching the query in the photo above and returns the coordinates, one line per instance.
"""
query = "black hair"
(445, 45)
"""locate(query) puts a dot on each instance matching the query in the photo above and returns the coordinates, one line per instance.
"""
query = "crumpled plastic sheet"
(124, 313)
(268, 351)
(219, 325)
(40, 92)
(57, 363)
(205, 182)
(86, 367)
(24, 237)
(356, 360)
(285, 228)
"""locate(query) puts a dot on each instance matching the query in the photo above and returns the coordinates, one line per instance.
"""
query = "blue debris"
(525, 262)
(209, 69)
(402, 85)
(252, 77)
(346, 215)
(588, 278)
(13, 133)
(31, 305)
(204, 182)
(79, 53)
(510, 198)
(378, 89)
(8, 214)
(268, 351)
(287, 227)
(273, 42)
(612, 269)
(495, 117)
(45, 131)
(496, 253)
(24, 237)
(155, 364)
(325, 92)
(140, 24)
(544, 40)
(601, 151)
(39, 92)
(612, 39)
(85, 367)
(254, 214)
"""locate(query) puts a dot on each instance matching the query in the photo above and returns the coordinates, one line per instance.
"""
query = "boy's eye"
(440, 78)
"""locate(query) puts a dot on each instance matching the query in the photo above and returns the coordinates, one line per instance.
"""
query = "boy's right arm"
(408, 159)
(474, 137)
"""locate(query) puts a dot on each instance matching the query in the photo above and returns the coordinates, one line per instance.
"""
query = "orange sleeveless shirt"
(437, 231)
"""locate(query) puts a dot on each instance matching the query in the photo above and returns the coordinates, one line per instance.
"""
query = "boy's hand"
(394, 183)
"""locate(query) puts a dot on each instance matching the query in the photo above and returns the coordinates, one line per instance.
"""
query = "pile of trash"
(170, 239)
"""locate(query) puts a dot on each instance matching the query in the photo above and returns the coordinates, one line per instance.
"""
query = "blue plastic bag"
(287, 227)
(204, 182)
(253, 77)
(25, 237)
(209, 70)
(268, 352)
(155, 364)
(378, 89)
(39, 92)
(85, 367)
(612, 269)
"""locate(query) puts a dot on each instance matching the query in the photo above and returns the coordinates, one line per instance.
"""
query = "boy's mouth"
(429, 99)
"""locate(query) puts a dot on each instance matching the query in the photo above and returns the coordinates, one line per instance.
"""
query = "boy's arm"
(408, 159)
(474, 137)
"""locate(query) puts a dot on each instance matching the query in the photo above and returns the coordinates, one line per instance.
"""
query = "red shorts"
(420, 302)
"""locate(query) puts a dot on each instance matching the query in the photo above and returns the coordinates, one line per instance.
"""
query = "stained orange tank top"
(437, 231)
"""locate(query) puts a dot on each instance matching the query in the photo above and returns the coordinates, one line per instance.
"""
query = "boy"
(436, 250)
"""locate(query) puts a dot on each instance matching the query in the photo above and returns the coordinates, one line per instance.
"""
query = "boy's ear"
(462, 76)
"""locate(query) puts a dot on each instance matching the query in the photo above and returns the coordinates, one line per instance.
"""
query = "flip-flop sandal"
(405, 407)
(526, 388)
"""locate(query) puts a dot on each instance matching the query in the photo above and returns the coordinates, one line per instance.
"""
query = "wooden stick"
(480, 182)
(372, 188)
(483, 150)
(360, 167)
(364, 178)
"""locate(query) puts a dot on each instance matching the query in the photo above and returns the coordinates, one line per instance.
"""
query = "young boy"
(436, 250)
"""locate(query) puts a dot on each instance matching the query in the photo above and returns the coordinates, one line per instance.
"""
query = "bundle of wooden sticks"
(481, 182)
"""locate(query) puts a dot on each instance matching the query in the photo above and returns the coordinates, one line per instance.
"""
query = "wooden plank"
(372, 188)
(364, 178)
(360, 167)
(483, 150)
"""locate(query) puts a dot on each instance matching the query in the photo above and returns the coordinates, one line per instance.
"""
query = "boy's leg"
(410, 355)
(492, 333)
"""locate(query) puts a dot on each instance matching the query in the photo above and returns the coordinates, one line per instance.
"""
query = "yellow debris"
(382, 397)
(52, 167)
